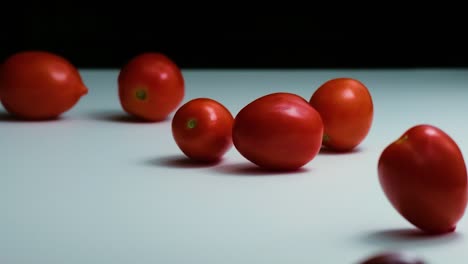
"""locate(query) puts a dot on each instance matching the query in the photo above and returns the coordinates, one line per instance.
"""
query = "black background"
(99, 38)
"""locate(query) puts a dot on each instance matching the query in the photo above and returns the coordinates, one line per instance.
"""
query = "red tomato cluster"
(422, 173)
(283, 131)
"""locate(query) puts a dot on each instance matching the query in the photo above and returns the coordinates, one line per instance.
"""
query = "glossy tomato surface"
(151, 86)
(423, 174)
(278, 131)
(347, 110)
(39, 85)
(202, 129)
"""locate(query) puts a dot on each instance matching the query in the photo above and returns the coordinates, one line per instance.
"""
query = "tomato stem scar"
(402, 139)
(191, 123)
(140, 94)
(326, 138)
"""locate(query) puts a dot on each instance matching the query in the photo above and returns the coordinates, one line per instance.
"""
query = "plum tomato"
(278, 131)
(346, 108)
(39, 85)
(202, 129)
(423, 175)
(151, 86)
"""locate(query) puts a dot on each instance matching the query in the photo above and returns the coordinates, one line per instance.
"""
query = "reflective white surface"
(98, 187)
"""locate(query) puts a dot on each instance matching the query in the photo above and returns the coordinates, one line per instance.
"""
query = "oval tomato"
(278, 131)
(347, 110)
(151, 86)
(202, 129)
(423, 174)
(39, 85)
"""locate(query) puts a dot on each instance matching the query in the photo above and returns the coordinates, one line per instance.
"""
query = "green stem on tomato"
(191, 123)
(402, 139)
(141, 94)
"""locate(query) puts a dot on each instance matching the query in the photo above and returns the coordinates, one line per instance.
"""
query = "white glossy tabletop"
(97, 187)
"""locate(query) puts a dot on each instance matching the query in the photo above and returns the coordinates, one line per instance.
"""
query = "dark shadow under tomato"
(121, 117)
(393, 257)
(249, 169)
(407, 235)
(7, 117)
(328, 151)
(179, 161)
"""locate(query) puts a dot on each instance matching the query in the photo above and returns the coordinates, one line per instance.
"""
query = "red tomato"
(346, 108)
(39, 85)
(423, 174)
(151, 86)
(202, 129)
(278, 131)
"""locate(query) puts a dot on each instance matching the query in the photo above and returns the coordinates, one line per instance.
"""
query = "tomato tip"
(83, 90)
(402, 139)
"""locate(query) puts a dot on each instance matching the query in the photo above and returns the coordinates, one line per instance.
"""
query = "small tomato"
(202, 129)
(151, 86)
(347, 110)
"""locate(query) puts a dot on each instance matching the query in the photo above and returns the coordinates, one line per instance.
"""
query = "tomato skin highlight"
(423, 175)
(278, 131)
(39, 85)
(202, 129)
(347, 110)
(151, 86)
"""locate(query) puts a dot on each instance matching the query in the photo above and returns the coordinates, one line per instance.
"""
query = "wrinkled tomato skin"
(202, 129)
(347, 111)
(151, 86)
(278, 131)
(423, 174)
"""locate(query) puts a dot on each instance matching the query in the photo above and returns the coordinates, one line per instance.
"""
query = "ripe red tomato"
(151, 86)
(347, 110)
(38, 85)
(278, 131)
(202, 129)
(423, 174)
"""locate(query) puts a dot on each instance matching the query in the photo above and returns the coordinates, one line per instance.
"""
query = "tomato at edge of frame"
(202, 129)
(278, 131)
(39, 85)
(424, 176)
(347, 111)
(151, 86)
